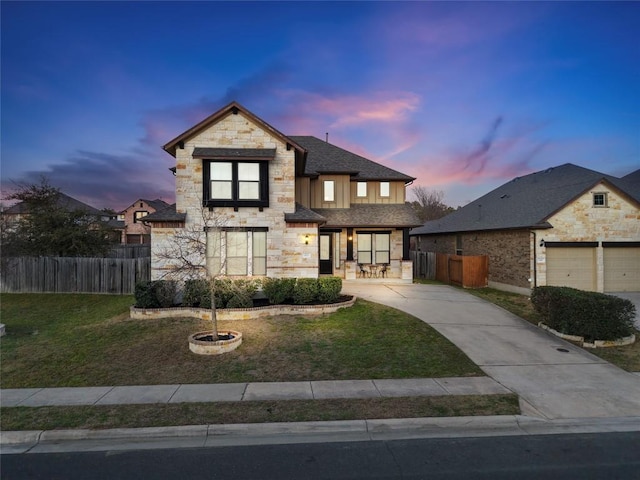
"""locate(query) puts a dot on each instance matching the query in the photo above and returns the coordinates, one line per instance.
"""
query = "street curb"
(299, 432)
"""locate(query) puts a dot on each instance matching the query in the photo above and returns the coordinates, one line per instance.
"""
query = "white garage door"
(572, 267)
(622, 269)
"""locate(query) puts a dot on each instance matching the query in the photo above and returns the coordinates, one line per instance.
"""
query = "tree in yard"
(48, 226)
(428, 204)
(185, 256)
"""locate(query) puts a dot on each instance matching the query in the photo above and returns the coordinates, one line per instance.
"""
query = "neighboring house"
(283, 206)
(134, 230)
(566, 226)
(70, 204)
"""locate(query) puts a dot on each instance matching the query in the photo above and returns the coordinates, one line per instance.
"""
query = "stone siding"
(287, 253)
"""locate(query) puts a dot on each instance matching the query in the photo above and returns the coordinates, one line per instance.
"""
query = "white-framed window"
(236, 183)
(237, 252)
(329, 190)
(385, 190)
(361, 189)
(374, 247)
(600, 199)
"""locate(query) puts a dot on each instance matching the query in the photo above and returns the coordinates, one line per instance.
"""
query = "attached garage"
(621, 266)
(572, 265)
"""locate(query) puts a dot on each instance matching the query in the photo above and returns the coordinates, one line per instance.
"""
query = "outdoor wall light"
(306, 239)
(350, 238)
(542, 242)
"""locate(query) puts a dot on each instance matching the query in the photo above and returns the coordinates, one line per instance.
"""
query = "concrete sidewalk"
(236, 392)
(554, 379)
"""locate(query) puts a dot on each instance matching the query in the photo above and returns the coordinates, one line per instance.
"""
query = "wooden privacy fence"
(73, 274)
(465, 271)
(424, 264)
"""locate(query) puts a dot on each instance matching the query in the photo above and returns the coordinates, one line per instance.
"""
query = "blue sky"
(463, 96)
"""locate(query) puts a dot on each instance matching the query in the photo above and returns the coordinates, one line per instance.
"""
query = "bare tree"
(185, 255)
(428, 204)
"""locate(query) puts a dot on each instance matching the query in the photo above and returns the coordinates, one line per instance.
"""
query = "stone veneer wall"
(580, 221)
(287, 253)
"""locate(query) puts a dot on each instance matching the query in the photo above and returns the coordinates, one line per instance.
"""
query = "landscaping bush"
(278, 290)
(230, 293)
(329, 289)
(197, 293)
(305, 291)
(592, 315)
(155, 294)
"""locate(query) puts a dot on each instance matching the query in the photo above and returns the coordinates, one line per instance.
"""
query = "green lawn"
(89, 340)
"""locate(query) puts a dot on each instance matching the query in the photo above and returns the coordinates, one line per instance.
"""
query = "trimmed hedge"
(278, 290)
(238, 293)
(329, 289)
(592, 315)
(156, 294)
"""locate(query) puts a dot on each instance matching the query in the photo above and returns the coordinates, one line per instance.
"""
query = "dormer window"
(600, 199)
(361, 190)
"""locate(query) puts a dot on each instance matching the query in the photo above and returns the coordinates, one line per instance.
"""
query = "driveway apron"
(553, 378)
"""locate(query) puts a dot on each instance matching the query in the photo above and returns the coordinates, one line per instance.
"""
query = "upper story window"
(329, 190)
(361, 189)
(600, 199)
(236, 184)
(138, 215)
(385, 190)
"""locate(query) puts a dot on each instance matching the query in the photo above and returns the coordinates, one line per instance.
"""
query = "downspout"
(535, 256)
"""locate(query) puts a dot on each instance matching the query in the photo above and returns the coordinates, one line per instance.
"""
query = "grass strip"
(159, 415)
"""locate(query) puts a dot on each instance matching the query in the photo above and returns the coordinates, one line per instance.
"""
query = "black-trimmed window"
(233, 183)
(237, 251)
(374, 247)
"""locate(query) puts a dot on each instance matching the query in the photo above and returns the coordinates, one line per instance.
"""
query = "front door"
(326, 264)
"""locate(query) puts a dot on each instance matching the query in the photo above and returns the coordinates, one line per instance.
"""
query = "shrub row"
(239, 293)
(592, 315)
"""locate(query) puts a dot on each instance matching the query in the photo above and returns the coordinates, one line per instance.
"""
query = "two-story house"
(282, 206)
(134, 230)
(565, 226)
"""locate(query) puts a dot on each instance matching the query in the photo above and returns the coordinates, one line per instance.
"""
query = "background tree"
(428, 204)
(47, 227)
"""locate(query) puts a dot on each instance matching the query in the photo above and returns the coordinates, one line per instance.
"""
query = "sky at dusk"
(463, 96)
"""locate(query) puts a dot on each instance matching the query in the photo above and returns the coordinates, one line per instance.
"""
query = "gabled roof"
(232, 108)
(64, 201)
(323, 157)
(156, 204)
(525, 202)
(370, 215)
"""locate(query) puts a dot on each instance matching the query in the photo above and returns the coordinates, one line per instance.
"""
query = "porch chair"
(363, 272)
(383, 270)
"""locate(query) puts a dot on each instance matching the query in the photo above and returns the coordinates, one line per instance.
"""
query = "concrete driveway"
(553, 378)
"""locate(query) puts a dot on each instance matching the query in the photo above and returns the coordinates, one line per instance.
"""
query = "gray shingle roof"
(370, 215)
(322, 157)
(167, 214)
(304, 215)
(523, 202)
(64, 201)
